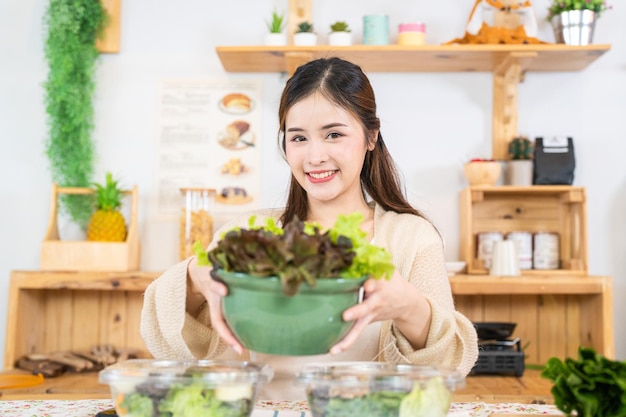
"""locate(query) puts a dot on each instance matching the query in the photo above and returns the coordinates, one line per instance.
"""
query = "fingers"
(220, 325)
(351, 337)
(214, 289)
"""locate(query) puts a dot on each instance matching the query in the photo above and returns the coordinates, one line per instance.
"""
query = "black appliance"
(497, 352)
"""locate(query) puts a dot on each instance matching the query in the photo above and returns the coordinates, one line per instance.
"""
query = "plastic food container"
(143, 387)
(377, 389)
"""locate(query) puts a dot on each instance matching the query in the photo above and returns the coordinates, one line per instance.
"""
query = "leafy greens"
(592, 386)
(299, 252)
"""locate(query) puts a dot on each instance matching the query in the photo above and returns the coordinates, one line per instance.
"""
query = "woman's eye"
(334, 135)
(298, 139)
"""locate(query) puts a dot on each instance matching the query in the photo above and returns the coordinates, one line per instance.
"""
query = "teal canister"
(376, 29)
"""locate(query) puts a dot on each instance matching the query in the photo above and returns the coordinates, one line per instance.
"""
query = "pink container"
(412, 34)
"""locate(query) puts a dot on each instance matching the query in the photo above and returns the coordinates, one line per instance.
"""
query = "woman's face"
(325, 147)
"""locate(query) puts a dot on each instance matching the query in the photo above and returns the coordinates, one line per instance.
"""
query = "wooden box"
(504, 209)
(76, 255)
(59, 311)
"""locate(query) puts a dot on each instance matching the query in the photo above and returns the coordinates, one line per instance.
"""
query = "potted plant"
(71, 54)
(275, 26)
(340, 34)
(520, 167)
(305, 35)
(574, 21)
(274, 274)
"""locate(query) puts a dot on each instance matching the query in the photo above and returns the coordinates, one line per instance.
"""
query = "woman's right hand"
(202, 280)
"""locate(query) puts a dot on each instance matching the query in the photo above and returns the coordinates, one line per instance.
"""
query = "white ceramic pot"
(305, 39)
(276, 39)
(340, 38)
(520, 172)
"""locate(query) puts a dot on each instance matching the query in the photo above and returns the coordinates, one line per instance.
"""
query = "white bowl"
(455, 267)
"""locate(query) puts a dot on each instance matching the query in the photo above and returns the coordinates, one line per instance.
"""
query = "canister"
(485, 246)
(376, 29)
(546, 250)
(412, 34)
(524, 243)
(196, 222)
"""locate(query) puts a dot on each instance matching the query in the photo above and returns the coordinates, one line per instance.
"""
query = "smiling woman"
(330, 137)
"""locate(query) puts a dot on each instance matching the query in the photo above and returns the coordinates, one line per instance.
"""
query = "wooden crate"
(558, 209)
(55, 311)
(65, 255)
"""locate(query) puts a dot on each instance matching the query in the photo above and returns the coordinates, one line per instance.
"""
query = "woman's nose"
(318, 153)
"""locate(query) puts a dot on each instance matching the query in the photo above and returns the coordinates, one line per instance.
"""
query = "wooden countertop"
(528, 389)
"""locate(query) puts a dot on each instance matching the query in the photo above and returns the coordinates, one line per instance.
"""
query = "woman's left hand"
(394, 299)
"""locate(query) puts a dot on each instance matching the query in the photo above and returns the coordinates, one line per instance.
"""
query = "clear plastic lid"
(183, 371)
(377, 374)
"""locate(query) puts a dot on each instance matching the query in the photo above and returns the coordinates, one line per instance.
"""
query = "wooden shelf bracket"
(506, 77)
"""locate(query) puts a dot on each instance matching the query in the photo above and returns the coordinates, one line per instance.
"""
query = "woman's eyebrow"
(328, 126)
(335, 124)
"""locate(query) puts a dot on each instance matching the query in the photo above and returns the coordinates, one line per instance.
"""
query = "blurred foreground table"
(88, 408)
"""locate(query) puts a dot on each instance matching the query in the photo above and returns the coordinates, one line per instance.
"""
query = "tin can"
(524, 245)
(546, 250)
(376, 29)
(485, 246)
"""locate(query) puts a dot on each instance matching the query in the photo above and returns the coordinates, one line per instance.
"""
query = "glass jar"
(196, 222)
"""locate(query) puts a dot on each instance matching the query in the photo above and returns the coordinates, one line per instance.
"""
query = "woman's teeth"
(320, 175)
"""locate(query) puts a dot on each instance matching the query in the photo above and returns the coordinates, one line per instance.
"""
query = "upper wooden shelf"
(428, 58)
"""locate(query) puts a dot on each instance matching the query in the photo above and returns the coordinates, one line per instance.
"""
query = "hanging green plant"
(73, 27)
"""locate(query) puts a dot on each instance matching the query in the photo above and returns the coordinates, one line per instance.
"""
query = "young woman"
(330, 137)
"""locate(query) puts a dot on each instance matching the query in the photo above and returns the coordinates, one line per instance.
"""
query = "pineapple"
(107, 223)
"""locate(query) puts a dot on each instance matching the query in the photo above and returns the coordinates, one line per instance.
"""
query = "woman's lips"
(321, 176)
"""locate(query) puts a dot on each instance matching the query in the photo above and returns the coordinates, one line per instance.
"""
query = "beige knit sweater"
(417, 251)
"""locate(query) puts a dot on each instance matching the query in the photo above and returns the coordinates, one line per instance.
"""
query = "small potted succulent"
(520, 167)
(275, 27)
(305, 34)
(340, 34)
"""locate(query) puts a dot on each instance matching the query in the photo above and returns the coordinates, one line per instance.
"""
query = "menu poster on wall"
(208, 136)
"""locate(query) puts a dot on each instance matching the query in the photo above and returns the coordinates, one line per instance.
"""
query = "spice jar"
(412, 34)
(196, 222)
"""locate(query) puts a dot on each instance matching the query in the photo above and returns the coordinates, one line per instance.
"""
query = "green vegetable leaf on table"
(299, 252)
(592, 386)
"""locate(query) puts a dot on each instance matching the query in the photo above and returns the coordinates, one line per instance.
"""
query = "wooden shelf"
(545, 284)
(427, 58)
(55, 311)
(507, 63)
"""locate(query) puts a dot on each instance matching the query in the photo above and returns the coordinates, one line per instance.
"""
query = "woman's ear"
(373, 138)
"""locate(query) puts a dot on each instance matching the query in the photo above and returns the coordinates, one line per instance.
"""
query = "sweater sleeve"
(167, 329)
(417, 250)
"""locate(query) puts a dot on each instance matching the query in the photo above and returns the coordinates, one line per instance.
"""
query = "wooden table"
(528, 389)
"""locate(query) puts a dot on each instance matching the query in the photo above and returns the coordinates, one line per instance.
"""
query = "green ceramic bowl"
(266, 320)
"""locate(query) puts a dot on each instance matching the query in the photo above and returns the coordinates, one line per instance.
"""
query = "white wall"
(431, 122)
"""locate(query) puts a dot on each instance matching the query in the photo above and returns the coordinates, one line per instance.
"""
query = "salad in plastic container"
(377, 389)
(147, 388)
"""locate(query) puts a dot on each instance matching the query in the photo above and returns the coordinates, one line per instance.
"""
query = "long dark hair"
(345, 84)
